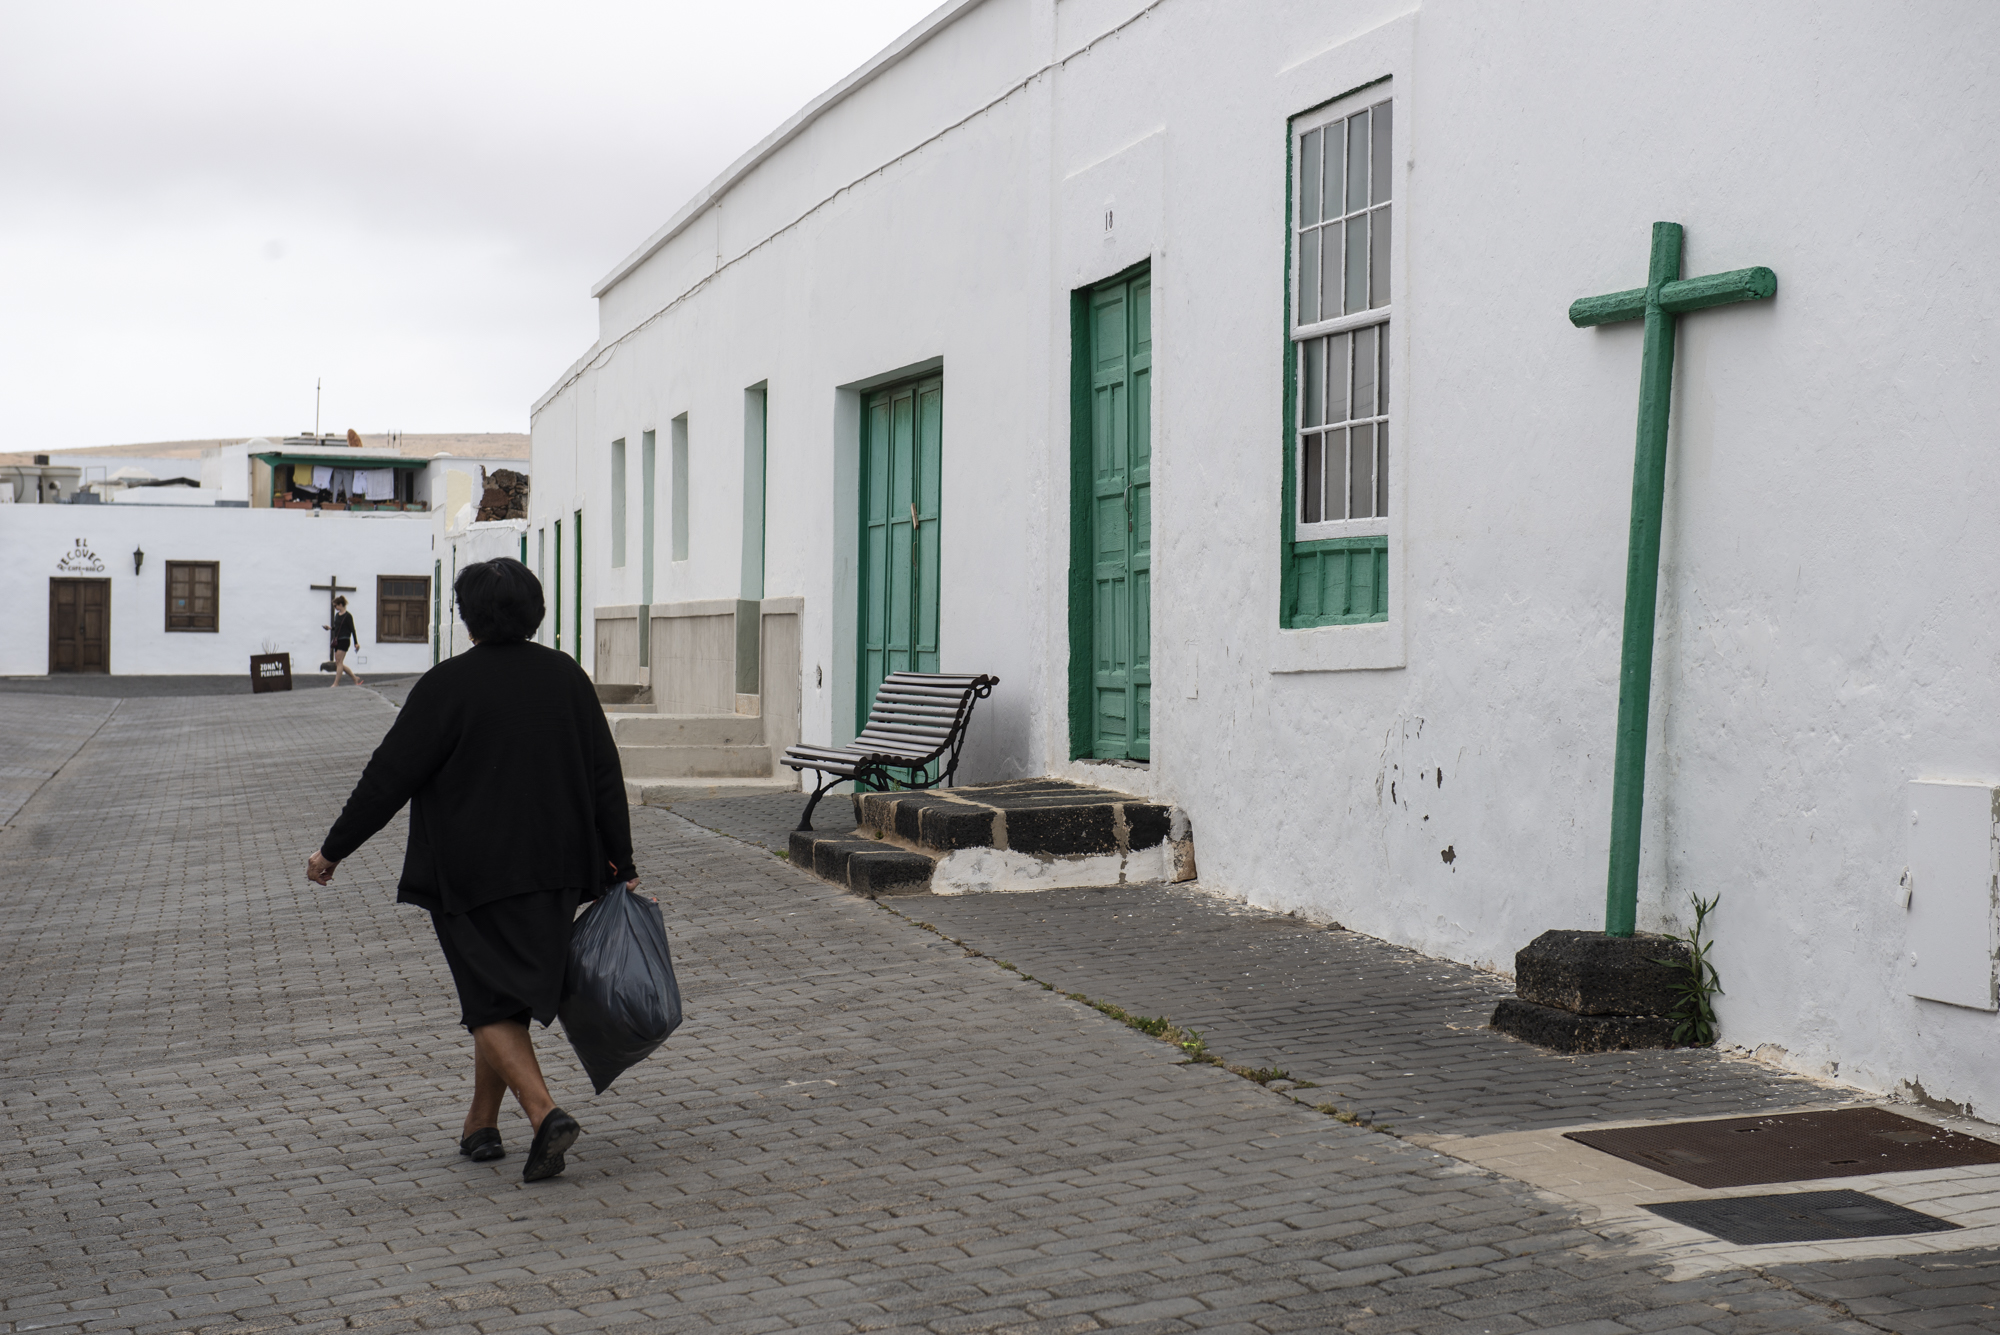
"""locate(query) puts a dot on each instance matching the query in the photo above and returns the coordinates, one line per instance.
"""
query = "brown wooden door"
(79, 625)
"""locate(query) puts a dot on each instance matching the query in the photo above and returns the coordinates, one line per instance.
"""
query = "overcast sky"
(206, 206)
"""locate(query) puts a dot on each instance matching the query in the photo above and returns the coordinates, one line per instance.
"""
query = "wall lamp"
(138, 558)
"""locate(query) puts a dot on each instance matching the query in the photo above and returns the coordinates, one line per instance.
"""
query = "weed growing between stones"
(1189, 1041)
(1694, 1012)
(1263, 1075)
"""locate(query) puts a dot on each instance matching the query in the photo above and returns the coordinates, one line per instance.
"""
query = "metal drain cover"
(1806, 1216)
(1792, 1147)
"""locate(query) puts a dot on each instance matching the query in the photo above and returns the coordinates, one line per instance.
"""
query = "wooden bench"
(916, 718)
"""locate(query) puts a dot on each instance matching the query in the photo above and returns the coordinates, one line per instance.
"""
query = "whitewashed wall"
(458, 548)
(1443, 781)
(269, 561)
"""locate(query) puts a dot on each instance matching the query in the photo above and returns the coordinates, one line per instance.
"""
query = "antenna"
(316, 384)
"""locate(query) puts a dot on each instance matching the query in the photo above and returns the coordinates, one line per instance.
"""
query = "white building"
(141, 589)
(152, 580)
(1010, 354)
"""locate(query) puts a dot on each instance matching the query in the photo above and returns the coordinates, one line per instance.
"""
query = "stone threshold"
(1021, 834)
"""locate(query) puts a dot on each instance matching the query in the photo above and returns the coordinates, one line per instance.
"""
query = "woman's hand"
(318, 870)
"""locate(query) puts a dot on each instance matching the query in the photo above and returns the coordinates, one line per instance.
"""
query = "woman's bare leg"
(488, 1086)
(506, 1049)
(340, 666)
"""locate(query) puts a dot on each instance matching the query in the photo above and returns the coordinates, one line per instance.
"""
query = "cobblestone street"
(232, 1099)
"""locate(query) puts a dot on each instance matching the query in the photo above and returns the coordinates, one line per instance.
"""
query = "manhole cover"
(1793, 1147)
(1806, 1216)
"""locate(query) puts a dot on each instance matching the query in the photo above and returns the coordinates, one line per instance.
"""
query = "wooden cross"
(1666, 296)
(334, 588)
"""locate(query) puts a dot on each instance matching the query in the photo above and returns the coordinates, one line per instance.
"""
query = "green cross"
(1665, 296)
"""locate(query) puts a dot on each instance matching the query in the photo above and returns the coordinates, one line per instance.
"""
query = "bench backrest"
(922, 714)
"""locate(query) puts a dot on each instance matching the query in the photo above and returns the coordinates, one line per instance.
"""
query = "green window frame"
(1334, 542)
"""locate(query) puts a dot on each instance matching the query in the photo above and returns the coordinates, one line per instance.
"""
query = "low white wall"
(269, 559)
(694, 656)
(615, 654)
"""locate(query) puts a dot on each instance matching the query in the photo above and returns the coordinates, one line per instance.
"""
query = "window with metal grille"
(402, 609)
(192, 602)
(1337, 449)
(1341, 319)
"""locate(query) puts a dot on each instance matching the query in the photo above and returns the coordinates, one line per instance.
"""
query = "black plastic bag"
(620, 1000)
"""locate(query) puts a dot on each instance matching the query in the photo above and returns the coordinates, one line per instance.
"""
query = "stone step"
(1032, 834)
(1567, 1031)
(687, 730)
(1047, 817)
(695, 762)
(665, 793)
(867, 867)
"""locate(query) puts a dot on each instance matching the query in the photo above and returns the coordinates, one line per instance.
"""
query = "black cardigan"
(513, 781)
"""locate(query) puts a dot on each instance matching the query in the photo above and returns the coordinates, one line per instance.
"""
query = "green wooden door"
(900, 435)
(1120, 330)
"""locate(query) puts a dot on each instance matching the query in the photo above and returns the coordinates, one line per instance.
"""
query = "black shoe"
(545, 1157)
(483, 1145)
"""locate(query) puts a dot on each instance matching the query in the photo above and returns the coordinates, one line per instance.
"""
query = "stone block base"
(1590, 973)
(1566, 1031)
(865, 866)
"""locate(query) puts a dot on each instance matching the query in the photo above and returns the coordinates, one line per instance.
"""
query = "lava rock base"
(1590, 973)
(1566, 1031)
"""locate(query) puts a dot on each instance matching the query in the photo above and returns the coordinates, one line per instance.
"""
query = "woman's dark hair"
(499, 601)
(340, 600)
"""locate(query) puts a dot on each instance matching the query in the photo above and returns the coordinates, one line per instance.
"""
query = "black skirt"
(508, 958)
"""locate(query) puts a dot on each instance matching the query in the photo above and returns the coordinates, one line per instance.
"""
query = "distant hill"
(466, 444)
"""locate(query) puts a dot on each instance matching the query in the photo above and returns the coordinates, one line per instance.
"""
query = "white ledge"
(1370, 647)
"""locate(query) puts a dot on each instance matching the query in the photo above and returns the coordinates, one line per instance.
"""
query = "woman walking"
(344, 638)
(517, 816)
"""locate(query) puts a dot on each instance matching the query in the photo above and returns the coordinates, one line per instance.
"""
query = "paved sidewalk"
(230, 1103)
(40, 736)
(102, 686)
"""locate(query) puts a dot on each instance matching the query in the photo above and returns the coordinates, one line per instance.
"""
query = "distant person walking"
(344, 638)
(517, 816)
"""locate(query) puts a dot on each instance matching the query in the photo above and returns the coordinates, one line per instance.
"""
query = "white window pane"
(1329, 275)
(1337, 474)
(1364, 373)
(1311, 484)
(1378, 258)
(1361, 472)
(1357, 265)
(1313, 353)
(1309, 179)
(1357, 162)
(1382, 375)
(1381, 468)
(1380, 174)
(1339, 349)
(1309, 276)
(1332, 191)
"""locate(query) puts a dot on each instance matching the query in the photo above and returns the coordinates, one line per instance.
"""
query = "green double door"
(1119, 331)
(900, 454)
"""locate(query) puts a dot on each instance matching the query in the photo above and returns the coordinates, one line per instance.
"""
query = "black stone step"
(865, 866)
(1567, 1031)
(1049, 817)
(1589, 973)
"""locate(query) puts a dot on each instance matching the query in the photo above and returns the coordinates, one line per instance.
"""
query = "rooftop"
(468, 444)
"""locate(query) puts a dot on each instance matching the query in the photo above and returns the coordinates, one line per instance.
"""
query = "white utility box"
(1954, 860)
